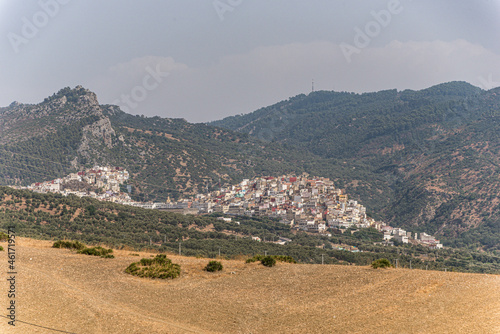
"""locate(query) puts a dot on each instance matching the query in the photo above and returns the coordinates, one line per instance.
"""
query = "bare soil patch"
(63, 290)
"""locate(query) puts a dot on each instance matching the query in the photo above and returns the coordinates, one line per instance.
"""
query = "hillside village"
(102, 183)
(310, 204)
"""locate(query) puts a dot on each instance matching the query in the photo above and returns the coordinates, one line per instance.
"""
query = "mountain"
(432, 155)
(166, 157)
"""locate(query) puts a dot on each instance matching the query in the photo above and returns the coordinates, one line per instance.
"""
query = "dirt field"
(75, 293)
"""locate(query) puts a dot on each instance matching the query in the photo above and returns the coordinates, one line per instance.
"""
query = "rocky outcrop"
(96, 134)
(19, 122)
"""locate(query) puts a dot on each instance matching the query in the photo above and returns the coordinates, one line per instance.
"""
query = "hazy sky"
(204, 60)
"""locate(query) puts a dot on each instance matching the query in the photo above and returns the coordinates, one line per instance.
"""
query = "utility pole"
(322, 258)
(179, 248)
(410, 264)
(150, 242)
(426, 266)
(265, 253)
(219, 252)
(396, 263)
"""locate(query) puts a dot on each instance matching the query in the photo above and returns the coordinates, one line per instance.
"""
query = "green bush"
(280, 258)
(268, 261)
(82, 249)
(97, 251)
(381, 263)
(4, 236)
(108, 256)
(213, 266)
(255, 258)
(68, 244)
(1, 248)
(159, 267)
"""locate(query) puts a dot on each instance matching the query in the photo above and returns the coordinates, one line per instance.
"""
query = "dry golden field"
(76, 293)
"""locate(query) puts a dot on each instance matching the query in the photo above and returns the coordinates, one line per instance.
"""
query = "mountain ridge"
(418, 142)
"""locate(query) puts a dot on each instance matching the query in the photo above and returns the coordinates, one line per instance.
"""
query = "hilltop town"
(310, 204)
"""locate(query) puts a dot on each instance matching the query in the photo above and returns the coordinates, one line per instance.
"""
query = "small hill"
(65, 291)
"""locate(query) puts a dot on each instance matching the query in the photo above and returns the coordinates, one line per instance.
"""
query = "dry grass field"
(74, 293)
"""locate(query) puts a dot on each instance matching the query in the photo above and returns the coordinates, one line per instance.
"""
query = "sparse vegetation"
(4, 236)
(97, 251)
(82, 249)
(192, 297)
(68, 244)
(159, 267)
(280, 258)
(214, 266)
(381, 263)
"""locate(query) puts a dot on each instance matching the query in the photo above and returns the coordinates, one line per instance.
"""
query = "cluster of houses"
(310, 204)
(404, 237)
(305, 203)
(104, 184)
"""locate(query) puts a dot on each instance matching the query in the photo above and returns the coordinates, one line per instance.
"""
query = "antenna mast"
(313, 85)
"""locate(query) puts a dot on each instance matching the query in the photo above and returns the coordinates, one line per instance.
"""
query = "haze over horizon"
(205, 60)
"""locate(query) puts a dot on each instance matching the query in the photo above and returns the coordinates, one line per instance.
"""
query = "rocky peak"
(78, 97)
(21, 121)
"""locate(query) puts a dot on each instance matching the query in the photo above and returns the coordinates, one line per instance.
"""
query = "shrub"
(159, 267)
(268, 261)
(97, 251)
(1, 248)
(280, 258)
(68, 244)
(255, 258)
(4, 236)
(82, 249)
(381, 263)
(213, 266)
(108, 256)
